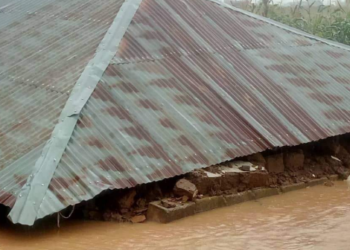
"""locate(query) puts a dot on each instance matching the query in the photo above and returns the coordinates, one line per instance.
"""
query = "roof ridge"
(30, 198)
(283, 26)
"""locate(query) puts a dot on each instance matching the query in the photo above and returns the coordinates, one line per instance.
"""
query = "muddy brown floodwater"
(313, 218)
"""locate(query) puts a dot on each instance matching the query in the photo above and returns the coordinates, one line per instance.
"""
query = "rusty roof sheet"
(44, 47)
(195, 83)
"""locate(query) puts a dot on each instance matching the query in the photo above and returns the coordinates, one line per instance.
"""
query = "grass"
(327, 21)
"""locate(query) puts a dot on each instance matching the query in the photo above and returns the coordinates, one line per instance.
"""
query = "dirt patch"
(257, 159)
(274, 163)
(294, 160)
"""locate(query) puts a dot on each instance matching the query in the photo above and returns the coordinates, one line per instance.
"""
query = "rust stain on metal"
(192, 84)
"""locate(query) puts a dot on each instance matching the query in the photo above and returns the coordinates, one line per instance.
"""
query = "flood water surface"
(313, 218)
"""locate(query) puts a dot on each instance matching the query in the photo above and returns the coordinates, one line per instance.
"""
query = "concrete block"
(209, 203)
(265, 192)
(233, 199)
(333, 177)
(317, 182)
(156, 212)
(293, 187)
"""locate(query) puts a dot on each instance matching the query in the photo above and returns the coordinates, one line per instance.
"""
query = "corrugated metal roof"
(192, 84)
(44, 47)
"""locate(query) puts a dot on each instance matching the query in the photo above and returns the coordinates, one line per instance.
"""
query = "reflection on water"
(314, 218)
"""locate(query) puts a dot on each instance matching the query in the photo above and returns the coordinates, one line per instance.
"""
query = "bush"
(331, 22)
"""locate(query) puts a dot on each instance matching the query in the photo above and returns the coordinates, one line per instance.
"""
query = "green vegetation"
(331, 22)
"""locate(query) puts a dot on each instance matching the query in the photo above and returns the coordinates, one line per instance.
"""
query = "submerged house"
(99, 95)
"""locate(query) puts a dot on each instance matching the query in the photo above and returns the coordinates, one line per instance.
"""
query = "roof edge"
(282, 26)
(29, 200)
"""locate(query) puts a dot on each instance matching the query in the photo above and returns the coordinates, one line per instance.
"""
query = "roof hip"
(30, 198)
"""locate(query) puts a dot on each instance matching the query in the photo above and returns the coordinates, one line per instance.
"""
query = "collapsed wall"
(280, 168)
